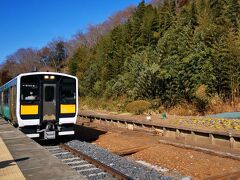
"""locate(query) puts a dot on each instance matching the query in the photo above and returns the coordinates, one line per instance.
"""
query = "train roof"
(13, 81)
(48, 73)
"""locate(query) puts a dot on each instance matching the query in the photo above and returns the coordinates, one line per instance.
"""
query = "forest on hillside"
(166, 52)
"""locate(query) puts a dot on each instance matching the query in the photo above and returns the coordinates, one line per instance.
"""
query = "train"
(42, 105)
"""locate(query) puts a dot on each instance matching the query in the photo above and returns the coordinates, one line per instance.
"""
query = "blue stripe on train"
(6, 110)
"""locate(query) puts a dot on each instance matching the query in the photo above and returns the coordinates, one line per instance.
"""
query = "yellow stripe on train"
(29, 109)
(68, 108)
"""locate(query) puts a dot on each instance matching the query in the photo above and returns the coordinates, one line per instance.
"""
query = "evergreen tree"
(136, 22)
(166, 15)
(166, 53)
(202, 5)
(218, 10)
(193, 15)
(79, 62)
(173, 6)
(234, 14)
(149, 27)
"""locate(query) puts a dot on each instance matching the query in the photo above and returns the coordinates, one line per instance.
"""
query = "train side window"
(49, 93)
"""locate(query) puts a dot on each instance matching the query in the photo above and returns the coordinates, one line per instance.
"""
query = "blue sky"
(33, 23)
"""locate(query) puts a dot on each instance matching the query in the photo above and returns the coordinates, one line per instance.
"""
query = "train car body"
(42, 104)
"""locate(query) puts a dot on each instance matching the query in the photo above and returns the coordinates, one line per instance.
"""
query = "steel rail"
(95, 162)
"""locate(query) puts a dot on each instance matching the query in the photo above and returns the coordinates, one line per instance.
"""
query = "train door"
(49, 102)
(13, 105)
(1, 104)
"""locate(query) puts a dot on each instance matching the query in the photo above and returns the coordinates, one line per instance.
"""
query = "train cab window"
(68, 90)
(29, 92)
(49, 93)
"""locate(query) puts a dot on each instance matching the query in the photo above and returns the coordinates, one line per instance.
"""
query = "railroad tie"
(97, 174)
(83, 165)
(70, 159)
(85, 170)
(75, 162)
(61, 153)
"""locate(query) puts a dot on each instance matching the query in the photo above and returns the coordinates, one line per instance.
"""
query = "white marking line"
(83, 165)
(158, 168)
(6, 131)
(97, 174)
(74, 162)
(61, 153)
(53, 148)
(70, 159)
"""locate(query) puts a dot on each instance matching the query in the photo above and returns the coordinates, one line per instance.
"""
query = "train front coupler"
(49, 132)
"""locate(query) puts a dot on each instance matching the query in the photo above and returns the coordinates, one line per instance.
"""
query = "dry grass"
(216, 105)
(183, 110)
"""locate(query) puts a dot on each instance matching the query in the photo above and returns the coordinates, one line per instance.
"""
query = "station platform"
(22, 158)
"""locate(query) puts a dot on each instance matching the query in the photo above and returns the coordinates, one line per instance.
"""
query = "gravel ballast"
(128, 167)
(86, 169)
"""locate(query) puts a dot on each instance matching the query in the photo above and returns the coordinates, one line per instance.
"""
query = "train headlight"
(52, 77)
(46, 77)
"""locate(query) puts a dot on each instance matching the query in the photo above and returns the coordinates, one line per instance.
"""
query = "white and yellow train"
(42, 104)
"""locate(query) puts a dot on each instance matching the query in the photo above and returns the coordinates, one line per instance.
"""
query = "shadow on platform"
(7, 163)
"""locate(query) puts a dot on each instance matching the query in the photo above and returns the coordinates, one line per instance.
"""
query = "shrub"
(138, 107)
(201, 98)
(156, 103)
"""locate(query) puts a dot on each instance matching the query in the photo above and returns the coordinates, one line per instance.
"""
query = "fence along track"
(212, 137)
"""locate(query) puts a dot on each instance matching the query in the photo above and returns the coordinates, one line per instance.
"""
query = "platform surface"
(9, 169)
(25, 159)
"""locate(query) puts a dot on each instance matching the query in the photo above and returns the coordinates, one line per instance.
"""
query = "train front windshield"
(67, 97)
(30, 92)
(68, 90)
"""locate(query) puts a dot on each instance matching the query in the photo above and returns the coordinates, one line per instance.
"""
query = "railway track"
(84, 164)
